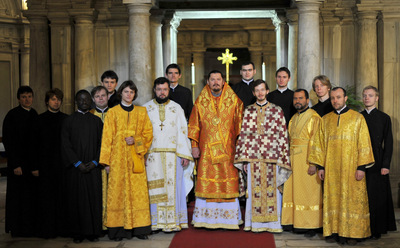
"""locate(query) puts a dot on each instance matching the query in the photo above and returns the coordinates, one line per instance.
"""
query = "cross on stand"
(227, 58)
(162, 125)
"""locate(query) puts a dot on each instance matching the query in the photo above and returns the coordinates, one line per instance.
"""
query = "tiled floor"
(162, 240)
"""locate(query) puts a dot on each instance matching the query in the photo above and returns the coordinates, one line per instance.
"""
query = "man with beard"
(178, 93)
(48, 167)
(262, 151)
(81, 140)
(342, 151)
(302, 194)
(169, 163)
(243, 89)
(378, 184)
(17, 130)
(213, 129)
(109, 80)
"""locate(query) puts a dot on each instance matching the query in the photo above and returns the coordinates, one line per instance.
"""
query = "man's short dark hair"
(160, 80)
(97, 89)
(214, 71)
(24, 89)
(305, 92)
(337, 88)
(81, 92)
(109, 74)
(131, 85)
(173, 66)
(285, 69)
(257, 83)
(247, 63)
(53, 92)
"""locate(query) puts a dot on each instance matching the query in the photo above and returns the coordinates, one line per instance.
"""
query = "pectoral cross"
(161, 125)
(227, 58)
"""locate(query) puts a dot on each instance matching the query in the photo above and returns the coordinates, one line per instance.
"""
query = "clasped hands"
(86, 167)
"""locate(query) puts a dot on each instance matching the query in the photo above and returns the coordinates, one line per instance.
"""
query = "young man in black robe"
(47, 166)
(378, 185)
(81, 140)
(283, 97)
(243, 89)
(178, 93)
(322, 86)
(109, 80)
(17, 130)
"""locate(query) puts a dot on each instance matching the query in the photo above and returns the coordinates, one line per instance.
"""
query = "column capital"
(308, 6)
(278, 20)
(83, 16)
(172, 20)
(59, 18)
(292, 16)
(36, 16)
(157, 15)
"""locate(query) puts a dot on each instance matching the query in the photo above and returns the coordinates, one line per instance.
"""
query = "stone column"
(367, 53)
(170, 31)
(140, 48)
(61, 58)
(198, 60)
(39, 59)
(25, 66)
(292, 47)
(389, 87)
(156, 44)
(281, 41)
(308, 49)
(85, 77)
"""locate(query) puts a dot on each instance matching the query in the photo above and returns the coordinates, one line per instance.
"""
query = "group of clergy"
(126, 170)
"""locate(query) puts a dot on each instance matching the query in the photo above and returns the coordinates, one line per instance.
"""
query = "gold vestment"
(214, 125)
(128, 194)
(340, 146)
(302, 194)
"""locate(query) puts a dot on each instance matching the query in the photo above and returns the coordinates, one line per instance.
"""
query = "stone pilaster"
(367, 53)
(170, 31)
(84, 48)
(156, 43)
(256, 50)
(198, 60)
(308, 60)
(61, 58)
(140, 48)
(281, 31)
(39, 59)
(292, 16)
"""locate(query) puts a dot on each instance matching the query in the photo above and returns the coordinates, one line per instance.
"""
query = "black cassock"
(81, 141)
(46, 145)
(285, 101)
(114, 100)
(20, 212)
(322, 108)
(378, 186)
(244, 92)
(183, 96)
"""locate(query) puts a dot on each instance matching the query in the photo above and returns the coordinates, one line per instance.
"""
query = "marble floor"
(162, 240)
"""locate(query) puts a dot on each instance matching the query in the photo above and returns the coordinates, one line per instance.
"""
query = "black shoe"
(78, 240)
(352, 242)
(330, 239)
(310, 234)
(376, 236)
(93, 239)
(142, 236)
(117, 239)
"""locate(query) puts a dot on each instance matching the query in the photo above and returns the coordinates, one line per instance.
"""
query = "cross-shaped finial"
(227, 58)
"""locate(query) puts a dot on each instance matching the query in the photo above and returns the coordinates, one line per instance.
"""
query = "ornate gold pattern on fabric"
(128, 194)
(158, 198)
(263, 229)
(302, 194)
(215, 123)
(263, 201)
(344, 146)
(156, 184)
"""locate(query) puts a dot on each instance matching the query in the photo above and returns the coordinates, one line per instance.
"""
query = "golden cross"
(227, 58)
(161, 125)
